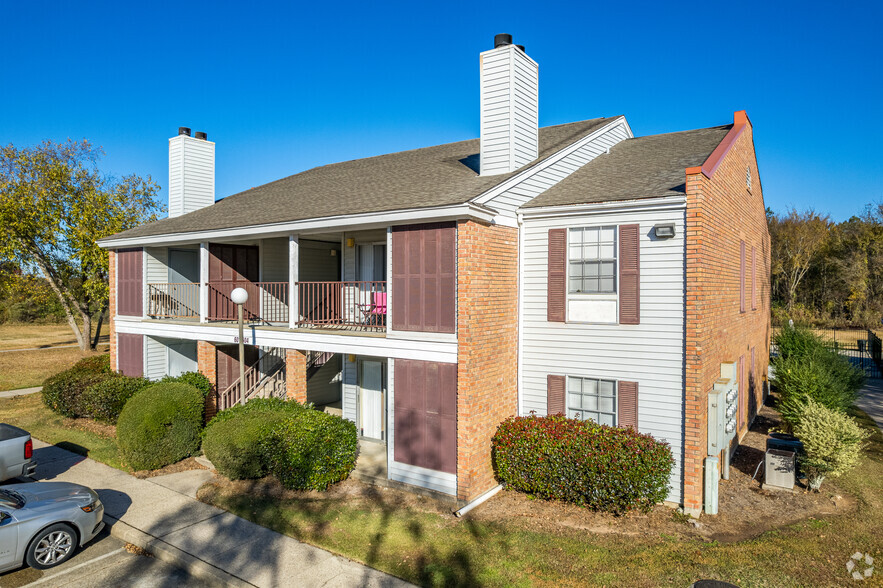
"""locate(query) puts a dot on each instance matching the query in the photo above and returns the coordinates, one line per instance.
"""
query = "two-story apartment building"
(429, 294)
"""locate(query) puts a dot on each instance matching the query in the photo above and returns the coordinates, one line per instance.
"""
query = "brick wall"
(487, 337)
(112, 306)
(207, 364)
(296, 375)
(721, 213)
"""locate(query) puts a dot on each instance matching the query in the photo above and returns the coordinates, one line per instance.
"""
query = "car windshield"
(11, 499)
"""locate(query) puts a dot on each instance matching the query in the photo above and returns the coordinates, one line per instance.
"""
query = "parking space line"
(76, 567)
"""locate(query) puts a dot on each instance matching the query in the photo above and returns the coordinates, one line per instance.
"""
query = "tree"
(796, 241)
(54, 205)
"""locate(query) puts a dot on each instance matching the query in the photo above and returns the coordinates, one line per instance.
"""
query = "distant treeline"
(826, 273)
(25, 298)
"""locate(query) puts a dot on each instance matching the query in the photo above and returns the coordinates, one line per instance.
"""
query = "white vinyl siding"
(157, 264)
(156, 356)
(507, 202)
(191, 174)
(350, 396)
(275, 260)
(324, 386)
(651, 353)
(408, 474)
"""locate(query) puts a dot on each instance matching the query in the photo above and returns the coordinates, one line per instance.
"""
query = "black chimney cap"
(522, 48)
(502, 39)
(201, 135)
(184, 131)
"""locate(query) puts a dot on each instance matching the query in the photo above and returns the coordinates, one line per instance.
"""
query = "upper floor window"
(592, 260)
(748, 177)
(589, 399)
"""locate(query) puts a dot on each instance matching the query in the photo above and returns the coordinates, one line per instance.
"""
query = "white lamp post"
(239, 296)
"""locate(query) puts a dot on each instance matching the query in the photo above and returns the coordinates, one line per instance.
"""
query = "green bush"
(235, 439)
(105, 400)
(805, 369)
(195, 379)
(832, 442)
(62, 393)
(160, 425)
(603, 468)
(310, 450)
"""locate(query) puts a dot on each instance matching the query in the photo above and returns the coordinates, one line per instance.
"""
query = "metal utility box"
(723, 408)
(779, 469)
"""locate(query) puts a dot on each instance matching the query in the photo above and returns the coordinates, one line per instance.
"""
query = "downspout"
(520, 324)
(478, 501)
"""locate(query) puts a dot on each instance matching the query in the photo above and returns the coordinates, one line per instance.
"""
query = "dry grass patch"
(26, 335)
(24, 369)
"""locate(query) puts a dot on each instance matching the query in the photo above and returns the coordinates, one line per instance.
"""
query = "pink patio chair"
(375, 312)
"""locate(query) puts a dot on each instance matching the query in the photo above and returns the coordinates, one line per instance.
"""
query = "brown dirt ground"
(746, 510)
(182, 466)
(92, 426)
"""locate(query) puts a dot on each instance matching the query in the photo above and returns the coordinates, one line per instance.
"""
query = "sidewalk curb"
(171, 554)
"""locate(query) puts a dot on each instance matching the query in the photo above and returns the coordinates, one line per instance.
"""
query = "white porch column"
(293, 263)
(203, 282)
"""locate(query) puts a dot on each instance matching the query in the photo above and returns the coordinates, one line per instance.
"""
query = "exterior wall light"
(350, 242)
(666, 231)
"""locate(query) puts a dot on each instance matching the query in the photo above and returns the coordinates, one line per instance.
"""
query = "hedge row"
(596, 466)
(62, 392)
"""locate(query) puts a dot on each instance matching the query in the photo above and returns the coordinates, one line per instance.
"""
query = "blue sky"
(283, 87)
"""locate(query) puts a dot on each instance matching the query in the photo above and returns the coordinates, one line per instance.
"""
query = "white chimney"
(191, 172)
(509, 106)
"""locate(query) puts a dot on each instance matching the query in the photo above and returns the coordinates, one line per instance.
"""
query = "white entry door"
(371, 399)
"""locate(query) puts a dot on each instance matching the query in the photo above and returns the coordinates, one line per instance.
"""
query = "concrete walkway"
(19, 392)
(870, 400)
(159, 516)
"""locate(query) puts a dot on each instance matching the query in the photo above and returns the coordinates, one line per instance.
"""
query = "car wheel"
(51, 546)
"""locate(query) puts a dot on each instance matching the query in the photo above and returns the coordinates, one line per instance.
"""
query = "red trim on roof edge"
(740, 119)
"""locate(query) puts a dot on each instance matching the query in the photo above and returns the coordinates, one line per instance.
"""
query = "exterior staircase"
(265, 379)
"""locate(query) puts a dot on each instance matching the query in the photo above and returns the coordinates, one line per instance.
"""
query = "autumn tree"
(54, 204)
(796, 241)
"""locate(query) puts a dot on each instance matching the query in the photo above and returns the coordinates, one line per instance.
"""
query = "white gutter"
(371, 220)
(478, 501)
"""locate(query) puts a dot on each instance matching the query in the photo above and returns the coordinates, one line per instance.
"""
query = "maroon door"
(426, 414)
(232, 266)
(424, 278)
(228, 363)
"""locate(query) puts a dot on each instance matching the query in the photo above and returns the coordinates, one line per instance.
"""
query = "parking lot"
(104, 562)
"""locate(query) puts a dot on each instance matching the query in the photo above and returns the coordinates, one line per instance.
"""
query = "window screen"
(589, 399)
(592, 260)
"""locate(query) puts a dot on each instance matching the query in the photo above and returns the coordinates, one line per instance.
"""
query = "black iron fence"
(862, 346)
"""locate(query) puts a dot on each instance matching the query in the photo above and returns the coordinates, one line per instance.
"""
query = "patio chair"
(374, 313)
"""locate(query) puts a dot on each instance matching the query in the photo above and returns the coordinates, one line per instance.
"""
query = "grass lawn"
(25, 335)
(24, 369)
(434, 548)
(29, 413)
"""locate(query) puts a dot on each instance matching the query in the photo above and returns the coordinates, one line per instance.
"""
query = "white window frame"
(594, 296)
(578, 413)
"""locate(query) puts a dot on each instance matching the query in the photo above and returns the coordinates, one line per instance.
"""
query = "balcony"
(351, 305)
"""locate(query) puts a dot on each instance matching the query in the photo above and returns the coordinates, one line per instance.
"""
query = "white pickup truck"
(16, 453)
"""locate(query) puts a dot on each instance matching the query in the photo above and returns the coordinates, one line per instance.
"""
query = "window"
(748, 177)
(589, 399)
(592, 260)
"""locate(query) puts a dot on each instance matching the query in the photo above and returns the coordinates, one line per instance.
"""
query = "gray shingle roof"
(644, 167)
(422, 178)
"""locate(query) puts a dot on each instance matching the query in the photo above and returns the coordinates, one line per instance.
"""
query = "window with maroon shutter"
(555, 394)
(130, 282)
(754, 278)
(627, 396)
(629, 275)
(425, 414)
(557, 276)
(424, 278)
(742, 276)
(130, 354)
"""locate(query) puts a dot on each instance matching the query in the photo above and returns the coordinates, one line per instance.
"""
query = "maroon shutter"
(424, 278)
(754, 278)
(130, 285)
(742, 276)
(130, 354)
(231, 266)
(627, 409)
(555, 394)
(557, 274)
(425, 414)
(629, 275)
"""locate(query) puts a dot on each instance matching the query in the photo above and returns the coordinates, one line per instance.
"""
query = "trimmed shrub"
(235, 439)
(832, 442)
(195, 379)
(105, 400)
(160, 425)
(806, 369)
(311, 450)
(603, 468)
(62, 392)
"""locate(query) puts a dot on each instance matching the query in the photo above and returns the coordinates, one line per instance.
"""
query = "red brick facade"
(722, 214)
(207, 364)
(296, 375)
(112, 306)
(487, 337)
